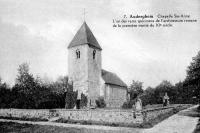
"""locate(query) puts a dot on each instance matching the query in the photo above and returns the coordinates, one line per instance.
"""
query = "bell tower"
(84, 63)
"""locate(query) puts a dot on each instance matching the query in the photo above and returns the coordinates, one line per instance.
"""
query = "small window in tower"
(94, 52)
(77, 53)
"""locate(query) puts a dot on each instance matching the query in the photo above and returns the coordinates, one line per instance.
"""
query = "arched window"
(94, 53)
(78, 53)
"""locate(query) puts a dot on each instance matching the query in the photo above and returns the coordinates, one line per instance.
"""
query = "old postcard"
(100, 66)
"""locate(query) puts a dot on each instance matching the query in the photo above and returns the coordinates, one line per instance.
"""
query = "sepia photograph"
(99, 66)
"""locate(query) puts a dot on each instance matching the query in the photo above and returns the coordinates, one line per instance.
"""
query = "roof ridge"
(86, 32)
(112, 78)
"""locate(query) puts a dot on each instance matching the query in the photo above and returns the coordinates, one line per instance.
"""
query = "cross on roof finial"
(84, 14)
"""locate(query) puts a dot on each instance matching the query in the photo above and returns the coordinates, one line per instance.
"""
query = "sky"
(38, 32)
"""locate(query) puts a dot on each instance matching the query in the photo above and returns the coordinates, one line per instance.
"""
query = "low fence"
(152, 114)
(43, 114)
(101, 116)
(125, 117)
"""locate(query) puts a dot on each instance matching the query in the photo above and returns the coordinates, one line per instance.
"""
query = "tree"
(31, 93)
(5, 95)
(135, 89)
(61, 84)
(193, 76)
(148, 97)
(24, 79)
(180, 93)
(26, 88)
(160, 90)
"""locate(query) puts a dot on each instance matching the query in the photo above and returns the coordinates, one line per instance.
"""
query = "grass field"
(11, 127)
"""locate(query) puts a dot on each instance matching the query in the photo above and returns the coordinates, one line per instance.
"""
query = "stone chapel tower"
(84, 63)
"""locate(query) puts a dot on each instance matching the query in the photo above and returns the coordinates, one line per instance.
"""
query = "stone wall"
(26, 113)
(101, 116)
(151, 114)
(115, 96)
(98, 115)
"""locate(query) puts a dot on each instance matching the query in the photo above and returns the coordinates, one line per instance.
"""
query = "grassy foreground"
(11, 127)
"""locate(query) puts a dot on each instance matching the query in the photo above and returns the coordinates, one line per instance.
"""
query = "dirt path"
(175, 124)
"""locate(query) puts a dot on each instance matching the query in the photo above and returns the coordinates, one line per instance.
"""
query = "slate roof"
(112, 78)
(84, 36)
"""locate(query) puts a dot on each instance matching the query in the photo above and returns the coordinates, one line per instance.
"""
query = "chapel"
(86, 73)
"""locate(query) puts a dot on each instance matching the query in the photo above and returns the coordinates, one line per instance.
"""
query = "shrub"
(100, 102)
(70, 99)
(83, 101)
(128, 104)
(125, 105)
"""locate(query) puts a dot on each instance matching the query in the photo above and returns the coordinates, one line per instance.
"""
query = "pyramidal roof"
(84, 36)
